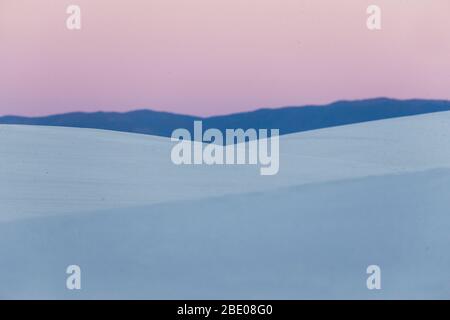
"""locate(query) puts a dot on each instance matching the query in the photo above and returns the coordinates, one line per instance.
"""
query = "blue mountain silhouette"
(287, 119)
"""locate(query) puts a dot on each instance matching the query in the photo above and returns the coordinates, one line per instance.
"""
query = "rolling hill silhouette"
(287, 119)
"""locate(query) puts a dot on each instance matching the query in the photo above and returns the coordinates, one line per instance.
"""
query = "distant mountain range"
(287, 119)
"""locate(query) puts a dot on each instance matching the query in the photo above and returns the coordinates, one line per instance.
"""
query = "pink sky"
(208, 57)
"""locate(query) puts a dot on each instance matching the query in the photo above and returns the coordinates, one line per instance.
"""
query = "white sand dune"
(141, 227)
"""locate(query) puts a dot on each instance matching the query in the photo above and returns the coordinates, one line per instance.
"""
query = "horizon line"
(225, 114)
